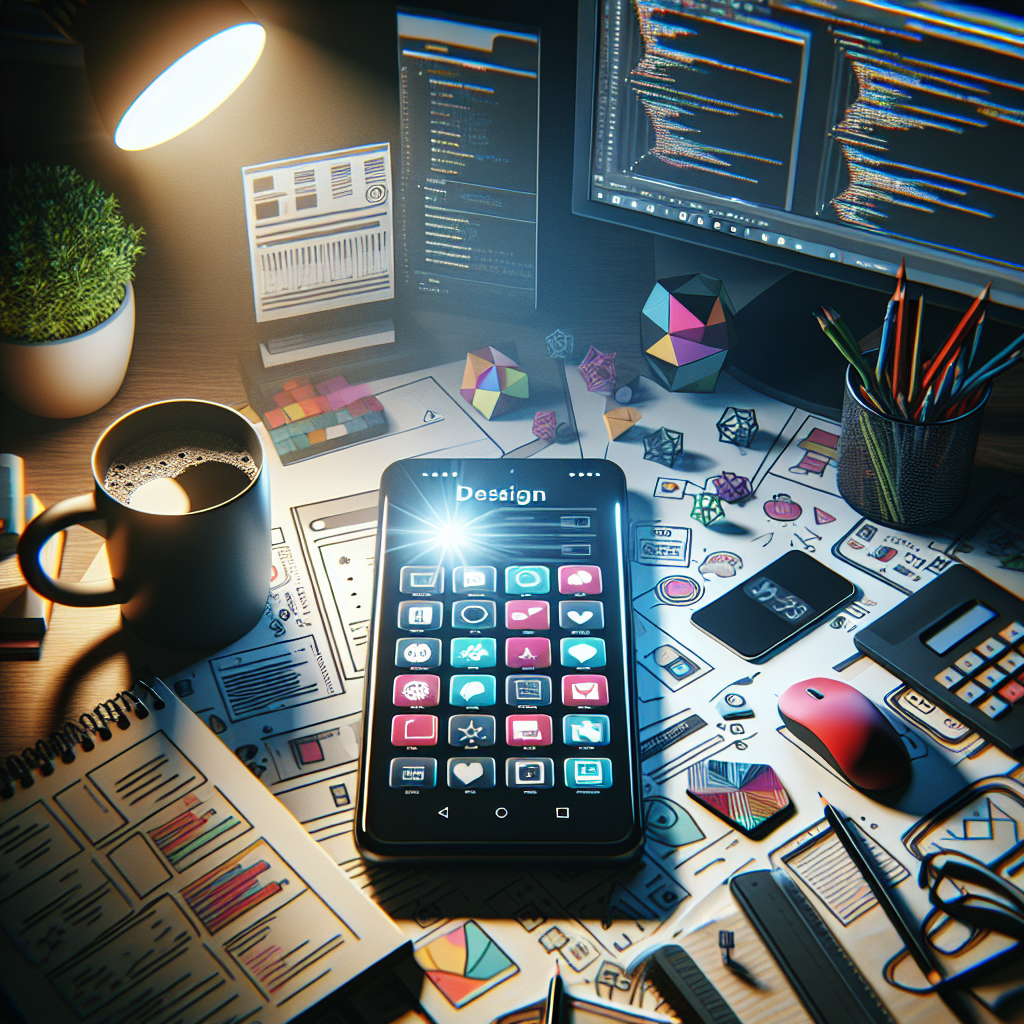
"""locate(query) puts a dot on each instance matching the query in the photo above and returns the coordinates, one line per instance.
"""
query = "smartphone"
(499, 719)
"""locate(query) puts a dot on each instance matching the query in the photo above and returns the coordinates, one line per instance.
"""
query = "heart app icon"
(467, 772)
(580, 617)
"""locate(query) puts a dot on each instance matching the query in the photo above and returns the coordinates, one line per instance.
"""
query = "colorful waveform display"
(227, 892)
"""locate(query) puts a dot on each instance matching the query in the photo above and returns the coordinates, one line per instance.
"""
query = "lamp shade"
(157, 67)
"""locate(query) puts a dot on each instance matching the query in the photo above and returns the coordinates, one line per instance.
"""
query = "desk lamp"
(156, 68)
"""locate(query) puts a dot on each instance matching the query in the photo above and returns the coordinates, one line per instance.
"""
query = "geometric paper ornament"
(544, 425)
(492, 382)
(663, 446)
(737, 426)
(559, 344)
(686, 328)
(618, 421)
(732, 487)
(598, 370)
(707, 508)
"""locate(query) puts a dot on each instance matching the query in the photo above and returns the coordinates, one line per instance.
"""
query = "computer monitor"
(832, 137)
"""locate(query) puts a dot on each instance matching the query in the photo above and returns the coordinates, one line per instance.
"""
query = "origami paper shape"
(737, 426)
(732, 487)
(618, 421)
(663, 446)
(464, 963)
(707, 508)
(492, 382)
(598, 370)
(559, 344)
(686, 329)
(544, 425)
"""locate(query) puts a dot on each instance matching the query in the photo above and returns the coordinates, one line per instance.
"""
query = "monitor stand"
(781, 351)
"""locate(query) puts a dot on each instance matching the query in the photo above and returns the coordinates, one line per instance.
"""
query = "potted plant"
(67, 307)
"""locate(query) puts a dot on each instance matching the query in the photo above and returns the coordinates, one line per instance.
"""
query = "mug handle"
(59, 516)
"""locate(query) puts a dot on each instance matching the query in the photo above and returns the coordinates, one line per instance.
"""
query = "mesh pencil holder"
(902, 473)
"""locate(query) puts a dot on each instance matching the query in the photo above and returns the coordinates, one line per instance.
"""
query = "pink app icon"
(414, 730)
(584, 689)
(579, 579)
(527, 652)
(528, 730)
(417, 691)
(527, 615)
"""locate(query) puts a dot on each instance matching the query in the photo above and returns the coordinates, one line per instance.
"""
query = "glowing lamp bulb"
(192, 87)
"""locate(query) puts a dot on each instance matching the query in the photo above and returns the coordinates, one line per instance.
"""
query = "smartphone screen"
(499, 715)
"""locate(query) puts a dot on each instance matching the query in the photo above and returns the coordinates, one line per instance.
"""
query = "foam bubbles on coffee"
(201, 469)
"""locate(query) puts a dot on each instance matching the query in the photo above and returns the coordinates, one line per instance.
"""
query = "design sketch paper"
(320, 234)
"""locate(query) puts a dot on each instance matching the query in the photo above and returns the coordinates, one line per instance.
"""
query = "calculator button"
(469, 578)
(991, 677)
(471, 772)
(948, 677)
(971, 692)
(993, 706)
(579, 652)
(528, 689)
(474, 652)
(419, 614)
(991, 647)
(472, 691)
(529, 773)
(580, 615)
(584, 689)
(588, 772)
(418, 652)
(421, 579)
(474, 615)
(414, 730)
(417, 690)
(969, 662)
(1012, 691)
(579, 579)
(527, 579)
(1013, 632)
(471, 730)
(587, 730)
(527, 615)
(413, 773)
(528, 730)
(1011, 662)
(527, 652)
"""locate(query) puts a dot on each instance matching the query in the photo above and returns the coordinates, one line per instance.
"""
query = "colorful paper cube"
(492, 382)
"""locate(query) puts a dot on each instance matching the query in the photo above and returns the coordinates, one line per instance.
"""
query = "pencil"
(555, 1009)
(907, 929)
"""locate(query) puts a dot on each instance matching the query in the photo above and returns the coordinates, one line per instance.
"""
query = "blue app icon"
(588, 772)
(586, 730)
(472, 691)
(527, 579)
(582, 651)
(473, 652)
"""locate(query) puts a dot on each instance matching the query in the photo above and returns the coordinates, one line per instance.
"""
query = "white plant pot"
(73, 376)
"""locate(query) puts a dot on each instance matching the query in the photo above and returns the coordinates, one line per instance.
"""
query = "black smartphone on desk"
(499, 719)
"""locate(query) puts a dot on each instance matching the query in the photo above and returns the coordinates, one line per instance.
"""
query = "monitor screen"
(836, 136)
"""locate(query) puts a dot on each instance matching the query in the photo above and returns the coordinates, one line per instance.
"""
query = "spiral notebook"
(146, 875)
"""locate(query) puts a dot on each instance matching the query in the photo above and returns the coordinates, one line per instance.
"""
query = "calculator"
(959, 641)
(499, 716)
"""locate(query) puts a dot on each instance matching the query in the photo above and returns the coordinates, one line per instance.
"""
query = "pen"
(907, 929)
(555, 1007)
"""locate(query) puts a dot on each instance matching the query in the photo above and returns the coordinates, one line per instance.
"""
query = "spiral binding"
(61, 744)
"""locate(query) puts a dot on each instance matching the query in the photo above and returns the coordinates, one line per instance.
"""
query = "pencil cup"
(903, 473)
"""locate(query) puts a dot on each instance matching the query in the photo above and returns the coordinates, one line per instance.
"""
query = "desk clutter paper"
(156, 879)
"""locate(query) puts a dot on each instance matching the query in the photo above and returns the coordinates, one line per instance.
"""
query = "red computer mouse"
(848, 731)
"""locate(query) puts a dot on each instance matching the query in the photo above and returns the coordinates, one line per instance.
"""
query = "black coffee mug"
(196, 579)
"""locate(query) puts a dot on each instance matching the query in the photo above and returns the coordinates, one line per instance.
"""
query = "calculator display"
(777, 599)
(499, 718)
(946, 635)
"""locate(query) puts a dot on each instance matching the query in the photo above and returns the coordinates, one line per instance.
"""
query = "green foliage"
(67, 254)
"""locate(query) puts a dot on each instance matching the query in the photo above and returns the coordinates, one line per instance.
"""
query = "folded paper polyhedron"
(618, 421)
(663, 446)
(598, 370)
(492, 382)
(559, 344)
(732, 487)
(707, 508)
(737, 426)
(544, 425)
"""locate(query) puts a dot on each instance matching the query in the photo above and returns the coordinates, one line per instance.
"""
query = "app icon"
(528, 730)
(587, 689)
(579, 579)
(416, 653)
(471, 772)
(419, 614)
(417, 690)
(580, 615)
(467, 578)
(474, 615)
(529, 689)
(414, 730)
(422, 579)
(527, 579)
(413, 773)
(577, 652)
(473, 652)
(586, 730)
(471, 730)
(472, 691)
(528, 652)
(588, 772)
(529, 773)
(527, 615)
